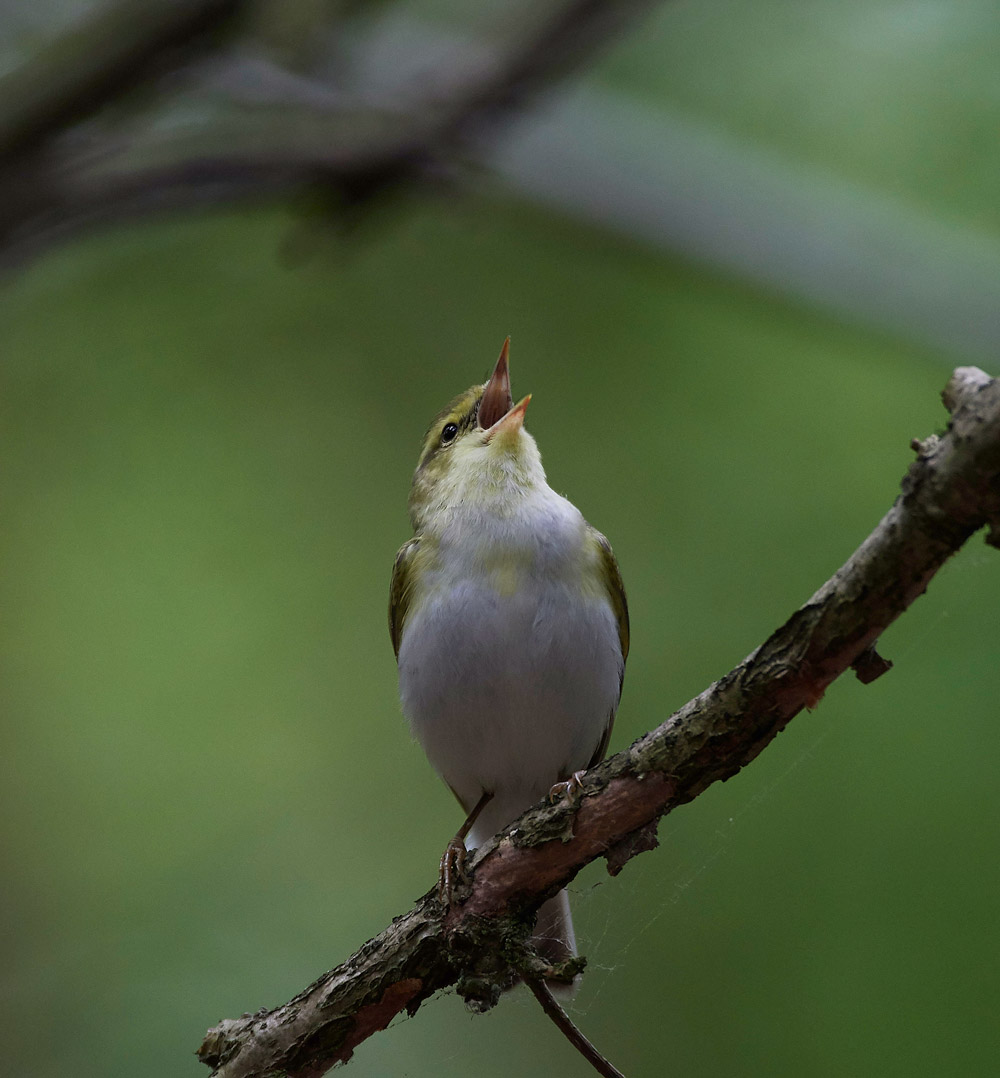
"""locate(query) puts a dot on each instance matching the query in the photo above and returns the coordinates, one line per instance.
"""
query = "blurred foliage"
(899, 96)
(208, 794)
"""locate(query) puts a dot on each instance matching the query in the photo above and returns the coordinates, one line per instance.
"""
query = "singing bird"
(510, 625)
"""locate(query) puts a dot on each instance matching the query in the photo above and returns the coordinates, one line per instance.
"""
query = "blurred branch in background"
(949, 492)
(95, 62)
(228, 122)
(134, 108)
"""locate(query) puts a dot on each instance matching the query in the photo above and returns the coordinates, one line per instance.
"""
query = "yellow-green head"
(477, 452)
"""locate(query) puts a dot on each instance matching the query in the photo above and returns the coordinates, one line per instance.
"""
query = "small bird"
(510, 625)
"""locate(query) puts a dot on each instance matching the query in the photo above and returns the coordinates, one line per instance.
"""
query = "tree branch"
(53, 185)
(95, 62)
(950, 491)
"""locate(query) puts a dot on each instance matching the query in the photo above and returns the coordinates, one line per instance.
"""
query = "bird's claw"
(568, 788)
(453, 870)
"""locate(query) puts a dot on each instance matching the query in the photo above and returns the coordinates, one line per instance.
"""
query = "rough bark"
(949, 492)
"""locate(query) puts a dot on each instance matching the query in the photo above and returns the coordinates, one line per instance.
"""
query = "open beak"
(497, 411)
(497, 400)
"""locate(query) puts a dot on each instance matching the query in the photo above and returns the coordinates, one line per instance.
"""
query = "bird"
(509, 621)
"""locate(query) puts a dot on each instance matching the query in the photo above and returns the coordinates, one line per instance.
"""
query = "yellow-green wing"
(612, 578)
(401, 590)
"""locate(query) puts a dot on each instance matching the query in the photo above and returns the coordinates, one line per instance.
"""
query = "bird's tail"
(554, 938)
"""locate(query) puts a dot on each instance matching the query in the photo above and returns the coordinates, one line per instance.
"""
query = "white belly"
(508, 694)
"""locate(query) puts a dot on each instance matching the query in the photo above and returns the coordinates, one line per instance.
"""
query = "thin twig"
(570, 1029)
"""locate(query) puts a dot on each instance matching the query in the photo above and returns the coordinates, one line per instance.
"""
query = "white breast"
(510, 663)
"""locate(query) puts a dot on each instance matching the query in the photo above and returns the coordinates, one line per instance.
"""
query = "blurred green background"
(209, 796)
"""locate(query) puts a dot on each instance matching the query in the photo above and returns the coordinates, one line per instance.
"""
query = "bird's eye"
(449, 432)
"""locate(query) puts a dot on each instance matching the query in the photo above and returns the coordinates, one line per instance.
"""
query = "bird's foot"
(453, 870)
(455, 859)
(567, 789)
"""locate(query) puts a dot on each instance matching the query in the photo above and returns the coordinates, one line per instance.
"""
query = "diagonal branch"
(949, 492)
(95, 62)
